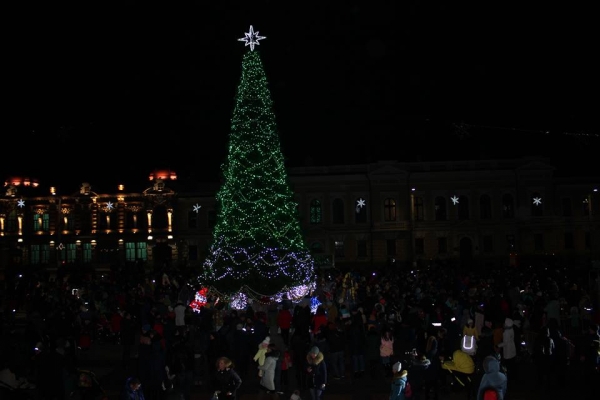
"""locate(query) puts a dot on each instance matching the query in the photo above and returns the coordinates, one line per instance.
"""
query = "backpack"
(408, 390)
(490, 394)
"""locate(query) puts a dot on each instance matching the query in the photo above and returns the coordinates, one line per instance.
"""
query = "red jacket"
(284, 319)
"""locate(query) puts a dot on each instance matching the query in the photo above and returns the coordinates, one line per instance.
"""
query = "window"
(419, 246)
(485, 207)
(338, 211)
(86, 253)
(567, 207)
(389, 209)
(339, 249)
(440, 209)
(192, 219)
(508, 206)
(70, 222)
(586, 207)
(463, 207)
(211, 218)
(537, 206)
(569, 245)
(41, 222)
(316, 212)
(538, 241)
(34, 257)
(70, 253)
(361, 248)
(142, 252)
(442, 245)
(135, 251)
(391, 247)
(160, 219)
(360, 216)
(40, 254)
(418, 209)
(85, 220)
(488, 244)
(11, 222)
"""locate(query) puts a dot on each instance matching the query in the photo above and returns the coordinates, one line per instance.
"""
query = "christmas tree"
(258, 248)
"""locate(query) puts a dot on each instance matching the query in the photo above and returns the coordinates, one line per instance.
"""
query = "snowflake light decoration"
(109, 206)
(251, 38)
(314, 304)
(21, 203)
(197, 208)
(537, 201)
(360, 203)
(454, 200)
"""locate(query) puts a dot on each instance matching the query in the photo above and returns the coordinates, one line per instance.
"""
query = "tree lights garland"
(258, 245)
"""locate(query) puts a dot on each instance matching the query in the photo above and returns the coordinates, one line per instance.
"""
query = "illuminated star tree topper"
(251, 38)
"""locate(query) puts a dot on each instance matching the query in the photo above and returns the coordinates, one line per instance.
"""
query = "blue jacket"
(492, 378)
(398, 385)
(129, 394)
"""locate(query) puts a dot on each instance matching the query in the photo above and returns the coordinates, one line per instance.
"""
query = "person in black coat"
(226, 381)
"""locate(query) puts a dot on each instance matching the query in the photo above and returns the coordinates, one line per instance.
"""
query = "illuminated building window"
(316, 212)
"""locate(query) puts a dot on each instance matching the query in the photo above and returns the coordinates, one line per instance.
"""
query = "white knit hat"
(267, 340)
(397, 367)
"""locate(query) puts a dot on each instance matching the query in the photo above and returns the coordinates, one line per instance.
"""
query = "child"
(261, 353)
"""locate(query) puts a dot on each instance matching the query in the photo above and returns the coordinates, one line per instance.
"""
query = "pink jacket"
(386, 349)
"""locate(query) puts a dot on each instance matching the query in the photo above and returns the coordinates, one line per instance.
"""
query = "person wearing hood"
(132, 390)
(509, 348)
(492, 378)
(316, 373)
(399, 380)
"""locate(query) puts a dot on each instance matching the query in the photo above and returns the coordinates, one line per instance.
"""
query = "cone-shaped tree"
(257, 240)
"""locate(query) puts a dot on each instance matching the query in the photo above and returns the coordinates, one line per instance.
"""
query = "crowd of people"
(438, 328)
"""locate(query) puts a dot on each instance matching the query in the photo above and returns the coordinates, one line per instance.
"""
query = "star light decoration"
(251, 38)
(360, 203)
(197, 208)
(454, 200)
(21, 203)
(537, 201)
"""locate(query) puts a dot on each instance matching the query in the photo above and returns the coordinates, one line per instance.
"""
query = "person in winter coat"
(316, 373)
(267, 380)
(284, 322)
(493, 378)
(397, 391)
(132, 390)
(509, 348)
(227, 381)
(386, 350)
(261, 354)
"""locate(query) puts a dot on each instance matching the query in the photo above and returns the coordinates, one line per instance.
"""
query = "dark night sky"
(118, 92)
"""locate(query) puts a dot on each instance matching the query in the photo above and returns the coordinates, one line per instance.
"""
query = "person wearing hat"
(261, 353)
(399, 382)
(316, 373)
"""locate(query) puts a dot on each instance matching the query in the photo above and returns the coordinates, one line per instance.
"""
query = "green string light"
(257, 239)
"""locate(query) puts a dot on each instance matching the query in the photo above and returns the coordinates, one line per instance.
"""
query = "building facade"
(388, 214)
